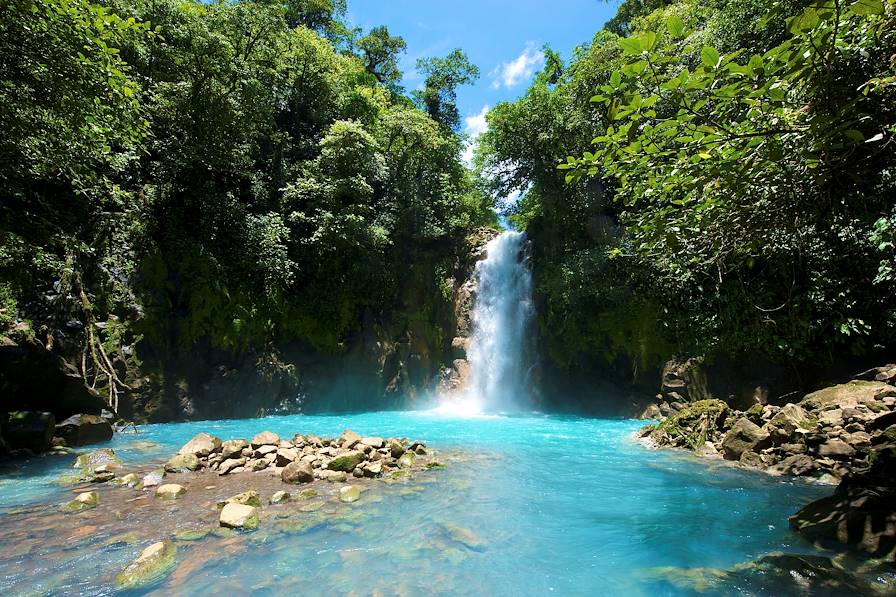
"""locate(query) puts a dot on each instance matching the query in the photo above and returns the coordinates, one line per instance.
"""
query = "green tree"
(442, 78)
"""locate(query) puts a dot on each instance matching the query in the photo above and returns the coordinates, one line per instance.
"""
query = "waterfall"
(502, 316)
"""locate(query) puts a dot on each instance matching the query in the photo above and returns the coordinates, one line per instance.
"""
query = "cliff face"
(392, 360)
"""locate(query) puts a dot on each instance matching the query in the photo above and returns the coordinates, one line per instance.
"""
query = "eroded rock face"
(29, 430)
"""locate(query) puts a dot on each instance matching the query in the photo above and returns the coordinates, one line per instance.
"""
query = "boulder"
(79, 430)
(407, 460)
(792, 417)
(29, 430)
(349, 493)
(286, 455)
(847, 395)
(395, 448)
(202, 444)
(230, 464)
(744, 436)
(333, 476)
(183, 462)
(797, 464)
(373, 469)
(130, 480)
(297, 472)
(170, 491)
(102, 457)
(265, 438)
(233, 447)
(373, 442)
(348, 439)
(347, 462)
(837, 449)
(83, 501)
(238, 516)
(151, 566)
(692, 426)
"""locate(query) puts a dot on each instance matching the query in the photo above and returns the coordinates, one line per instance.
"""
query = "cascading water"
(502, 315)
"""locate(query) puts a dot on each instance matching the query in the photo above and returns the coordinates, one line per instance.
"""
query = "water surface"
(537, 505)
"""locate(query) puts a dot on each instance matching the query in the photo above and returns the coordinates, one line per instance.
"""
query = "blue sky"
(502, 37)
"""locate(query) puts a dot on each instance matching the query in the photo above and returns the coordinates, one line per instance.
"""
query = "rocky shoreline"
(215, 487)
(842, 435)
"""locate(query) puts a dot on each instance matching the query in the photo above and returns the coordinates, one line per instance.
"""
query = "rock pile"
(827, 435)
(301, 459)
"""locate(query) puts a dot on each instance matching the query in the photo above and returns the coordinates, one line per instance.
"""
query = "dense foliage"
(186, 176)
(737, 190)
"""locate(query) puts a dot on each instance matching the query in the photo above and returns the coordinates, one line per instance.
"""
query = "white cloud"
(475, 125)
(519, 69)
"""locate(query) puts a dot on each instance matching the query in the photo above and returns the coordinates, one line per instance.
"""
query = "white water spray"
(502, 316)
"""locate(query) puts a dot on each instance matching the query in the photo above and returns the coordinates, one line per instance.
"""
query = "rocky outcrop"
(29, 430)
(83, 429)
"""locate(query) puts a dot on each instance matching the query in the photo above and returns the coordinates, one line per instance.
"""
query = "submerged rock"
(83, 501)
(279, 497)
(102, 457)
(238, 516)
(349, 493)
(151, 566)
(170, 491)
(130, 480)
(153, 478)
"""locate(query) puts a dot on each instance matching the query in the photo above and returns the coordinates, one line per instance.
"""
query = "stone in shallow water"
(104, 456)
(349, 493)
(407, 460)
(151, 566)
(83, 501)
(247, 498)
(202, 444)
(239, 516)
(183, 462)
(279, 497)
(170, 491)
(153, 479)
(130, 480)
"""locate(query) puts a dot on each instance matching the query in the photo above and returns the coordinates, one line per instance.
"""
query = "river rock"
(183, 462)
(247, 498)
(79, 430)
(297, 472)
(743, 436)
(238, 516)
(153, 479)
(233, 447)
(266, 438)
(333, 476)
(395, 448)
(349, 439)
(373, 469)
(407, 460)
(797, 464)
(130, 480)
(286, 455)
(29, 430)
(346, 462)
(102, 457)
(202, 444)
(170, 491)
(230, 464)
(792, 417)
(83, 501)
(349, 493)
(151, 566)
(373, 442)
(835, 448)
(279, 497)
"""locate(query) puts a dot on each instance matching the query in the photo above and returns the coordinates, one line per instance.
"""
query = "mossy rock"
(84, 501)
(103, 456)
(434, 465)
(346, 462)
(407, 460)
(151, 566)
(691, 426)
(308, 493)
(193, 535)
